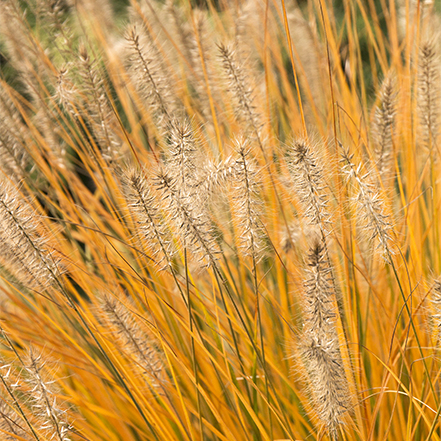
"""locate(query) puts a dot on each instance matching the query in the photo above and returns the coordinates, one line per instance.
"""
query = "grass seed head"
(134, 341)
(384, 126)
(309, 183)
(25, 251)
(429, 93)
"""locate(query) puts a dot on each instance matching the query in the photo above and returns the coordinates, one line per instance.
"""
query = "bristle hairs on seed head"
(147, 74)
(384, 125)
(13, 156)
(369, 206)
(308, 178)
(44, 401)
(25, 251)
(181, 153)
(246, 199)
(66, 93)
(11, 423)
(214, 175)
(239, 88)
(145, 207)
(319, 292)
(327, 380)
(435, 299)
(429, 93)
(192, 222)
(319, 347)
(135, 342)
(97, 105)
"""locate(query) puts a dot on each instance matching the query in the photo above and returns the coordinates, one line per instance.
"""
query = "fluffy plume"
(24, 250)
(182, 149)
(11, 423)
(429, 93)
(44, 403)
(22, 50)
(147, 75)
(192, 223)
(93, 10)
(66, 92)
(145, 208)
(384, 126)
(247, 204)
(310, 186)
(13, 156)
(54, 14)
(99, 111)
(193, 41)
(436, 316)
(213, 176)
(13, 403)
(319, 346)
(134, 341)
(372, 216)
(182, 29)
(239, 88)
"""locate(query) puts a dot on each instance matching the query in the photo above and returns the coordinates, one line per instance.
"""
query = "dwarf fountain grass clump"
(135, 137)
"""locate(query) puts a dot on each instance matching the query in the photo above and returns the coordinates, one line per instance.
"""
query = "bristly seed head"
(24, 250)
(248, 206)
(192, 223)
(384, 125)
(11, 423)
(369, 204)
(429, 93)
(182, 150)
(135, 342)
(319, 342)
(435, 299)
(150, 223)
(148, 76)
(45, 406)
(309, 183)
(239, 88)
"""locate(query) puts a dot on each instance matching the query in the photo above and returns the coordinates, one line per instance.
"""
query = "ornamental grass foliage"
(220, 220)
